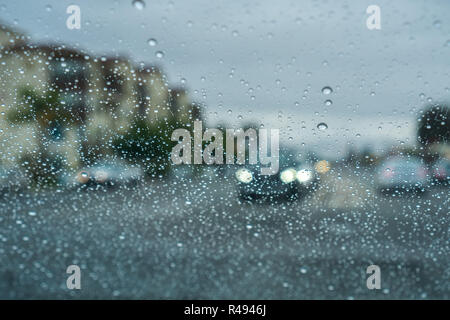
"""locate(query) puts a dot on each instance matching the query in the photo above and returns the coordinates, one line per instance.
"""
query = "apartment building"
(99, 99)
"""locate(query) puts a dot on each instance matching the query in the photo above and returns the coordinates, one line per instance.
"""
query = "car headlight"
(82, 177)
(288, 175)
(244, 175)
(304, 175)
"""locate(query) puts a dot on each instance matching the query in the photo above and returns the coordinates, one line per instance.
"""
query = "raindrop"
(32, 213)
(328, 102)
(159, 54)
(139, 4)
(152, 42)
(322, 126)
(327, 90)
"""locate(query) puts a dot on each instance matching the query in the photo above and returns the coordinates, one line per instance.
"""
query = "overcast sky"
(268, 61)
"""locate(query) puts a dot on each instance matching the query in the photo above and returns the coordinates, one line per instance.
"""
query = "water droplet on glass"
(322, 126)
(139, 4)
(327, 90)
(152, 42)
(328, 102)
(159, 54)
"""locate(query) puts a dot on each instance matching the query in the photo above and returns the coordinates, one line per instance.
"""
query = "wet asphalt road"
(194, 239)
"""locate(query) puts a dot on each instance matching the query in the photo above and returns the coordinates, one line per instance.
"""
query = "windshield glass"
(155, 149)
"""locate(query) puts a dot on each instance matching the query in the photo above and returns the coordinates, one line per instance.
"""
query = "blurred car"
(106, 172)
(293, 180)
(402, 173)
(12, 179)
(441, 171)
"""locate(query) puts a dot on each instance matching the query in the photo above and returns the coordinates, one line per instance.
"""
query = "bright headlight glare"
(82, 177)
(304, 175)
(288, 175)
(244, 175)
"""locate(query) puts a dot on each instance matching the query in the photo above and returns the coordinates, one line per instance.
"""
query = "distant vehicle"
(441, 171)
(402, 174)
(107, 173)
(12, 179)
(293, 180)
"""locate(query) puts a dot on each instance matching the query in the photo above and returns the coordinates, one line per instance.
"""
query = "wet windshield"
(224, 149)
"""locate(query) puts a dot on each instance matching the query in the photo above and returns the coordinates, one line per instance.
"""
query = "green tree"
(148, 145)
(45, 110)
(433, 125)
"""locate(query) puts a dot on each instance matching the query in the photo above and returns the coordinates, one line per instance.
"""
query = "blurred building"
(100, 98)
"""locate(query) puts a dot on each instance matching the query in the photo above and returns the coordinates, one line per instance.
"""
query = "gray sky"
(268, 60)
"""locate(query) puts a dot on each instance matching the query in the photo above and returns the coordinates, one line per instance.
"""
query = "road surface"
(193, 239)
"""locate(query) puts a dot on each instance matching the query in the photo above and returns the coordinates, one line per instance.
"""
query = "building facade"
(99, 98)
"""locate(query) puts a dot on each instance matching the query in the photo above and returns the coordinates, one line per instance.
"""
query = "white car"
(402, 173)
(106, 172)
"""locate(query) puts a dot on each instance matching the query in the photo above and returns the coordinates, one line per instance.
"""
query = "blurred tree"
(433, 125)
(148, 145)
(45, 110)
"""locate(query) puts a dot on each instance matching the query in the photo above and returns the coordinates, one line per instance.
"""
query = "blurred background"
(86, 117)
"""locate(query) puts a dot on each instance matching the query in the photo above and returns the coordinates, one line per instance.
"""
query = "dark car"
(293, 180)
